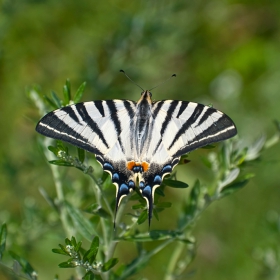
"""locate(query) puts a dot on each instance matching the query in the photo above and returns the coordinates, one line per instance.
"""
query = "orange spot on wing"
(130, 165)
(145, 165)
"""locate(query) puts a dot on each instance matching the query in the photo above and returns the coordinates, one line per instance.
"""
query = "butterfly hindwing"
(153, 179)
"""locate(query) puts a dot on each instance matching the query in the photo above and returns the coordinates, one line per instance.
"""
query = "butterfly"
(137, 143)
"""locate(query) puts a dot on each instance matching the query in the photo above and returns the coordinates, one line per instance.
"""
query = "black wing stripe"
(168, 117)
(158, 105)
(81, 109)
(54, 127)
(196, 113)
(69, 110)
(172, 106)
(99, 106)
(221, 129)
(114, 115)
(183, 106)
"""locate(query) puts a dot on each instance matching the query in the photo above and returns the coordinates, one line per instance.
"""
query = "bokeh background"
(226, 53)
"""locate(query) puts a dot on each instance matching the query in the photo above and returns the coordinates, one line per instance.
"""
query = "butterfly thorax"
(142, 124)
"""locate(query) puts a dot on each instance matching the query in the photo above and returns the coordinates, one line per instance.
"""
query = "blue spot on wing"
(157, 180)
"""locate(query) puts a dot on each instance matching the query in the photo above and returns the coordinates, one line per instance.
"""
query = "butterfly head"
(146, 95)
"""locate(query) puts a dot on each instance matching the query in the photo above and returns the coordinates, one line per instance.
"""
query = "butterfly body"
(137, 143)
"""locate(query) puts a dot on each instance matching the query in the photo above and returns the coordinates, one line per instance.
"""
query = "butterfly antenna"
(130, 79)
(174, 75)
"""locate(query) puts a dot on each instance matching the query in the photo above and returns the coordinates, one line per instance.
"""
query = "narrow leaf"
(109, 264)
(240, 183)
(230, 177)
(56, 100)
(67, 92)
(60, 251)
(79, 92)
(155, 213)
(88, 276)
(68, 264)
(54, 150)
(49, 200)
(175, 184)
(82, 224)
(208, 147)
(193, 199)
(90, 255)
(81, 155)
(61, 162)
(26, 266)
(138, 206)
(48, 100)
(142, 218)
(164, 205)
(160, 192)
(3, 236)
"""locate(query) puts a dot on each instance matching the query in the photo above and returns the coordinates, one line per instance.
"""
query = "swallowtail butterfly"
(137, 142)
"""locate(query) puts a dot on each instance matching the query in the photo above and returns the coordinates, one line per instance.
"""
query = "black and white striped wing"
(186, 126)
(179, 127)
(100, 127)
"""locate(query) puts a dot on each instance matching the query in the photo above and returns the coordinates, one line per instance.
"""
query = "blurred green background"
(226, 53)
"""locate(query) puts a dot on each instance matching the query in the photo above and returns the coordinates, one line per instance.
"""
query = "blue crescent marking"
(124, 188)
(108, 166)
(115, 177)
(166, 169)
(147, 190)
(157, 180)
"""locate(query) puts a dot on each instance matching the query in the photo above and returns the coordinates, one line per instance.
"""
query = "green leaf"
(60, 251)
(68, 241)
(48, 100)
(155, 213)
(151, 236)
(54, 150)
(109, 264)
(61, 146)
(26, 266)
(164, 205)
(95, 209)
(238, 184)
(81, 155)
(142, 217)
(73, 241)
(138, 206)
(61, 162)
(81, 223)
(68, 264)
(160, 192)
(90, 255)
(193, 199)
(230, 177)
(67, 92)
(49, 200)
(208, 147)
(175, 184)
(78, 246)
(88, 276)
(3, 236)
(79, 92)
(56, 100)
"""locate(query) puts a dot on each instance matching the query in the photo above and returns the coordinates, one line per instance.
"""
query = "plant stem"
(69, 230)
